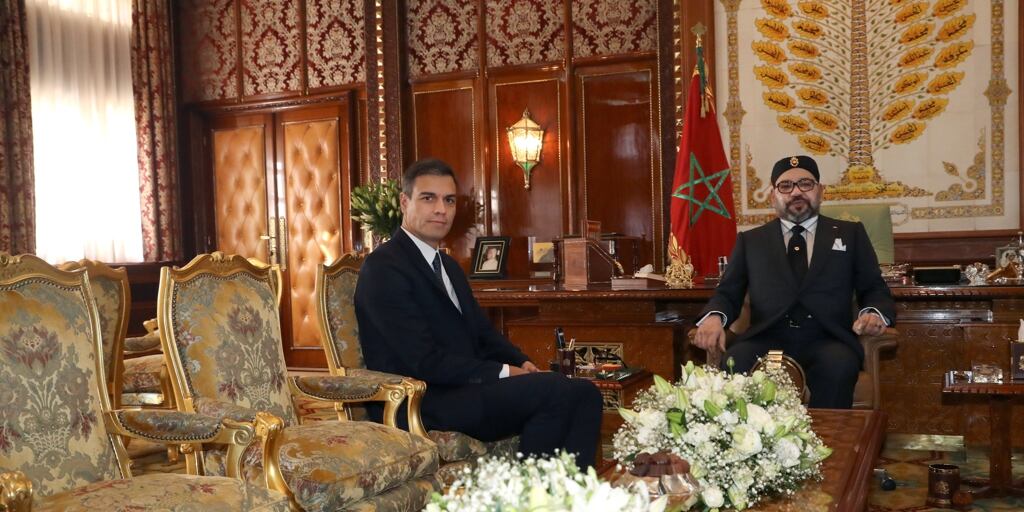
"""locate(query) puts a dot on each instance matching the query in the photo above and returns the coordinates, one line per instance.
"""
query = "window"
(83, 123)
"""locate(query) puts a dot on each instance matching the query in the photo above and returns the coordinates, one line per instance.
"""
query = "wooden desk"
(941, 327)
(1000, 469)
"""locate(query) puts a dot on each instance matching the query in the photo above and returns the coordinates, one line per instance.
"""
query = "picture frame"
(490, 257)
(1007, 253)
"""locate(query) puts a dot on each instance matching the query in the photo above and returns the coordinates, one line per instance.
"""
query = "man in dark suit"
(801, 272)
(418, 317)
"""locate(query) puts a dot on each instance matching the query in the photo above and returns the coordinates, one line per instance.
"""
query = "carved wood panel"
(647, 345)
(516, 211)
(619, 167)
(446, 127)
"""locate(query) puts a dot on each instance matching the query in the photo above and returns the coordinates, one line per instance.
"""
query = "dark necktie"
(798, 253)
(437, 268)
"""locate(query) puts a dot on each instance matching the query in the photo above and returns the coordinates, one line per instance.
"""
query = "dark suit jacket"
(759, 266)
(409, 326)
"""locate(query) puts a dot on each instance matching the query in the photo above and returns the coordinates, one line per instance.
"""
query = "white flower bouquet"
(551, 484)
(745, 437)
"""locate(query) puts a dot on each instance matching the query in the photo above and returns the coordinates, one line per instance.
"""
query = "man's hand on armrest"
(514, 371)
(869, 322)
(710, 333)
(529, 367)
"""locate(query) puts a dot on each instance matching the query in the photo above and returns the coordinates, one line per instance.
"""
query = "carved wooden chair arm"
(148, 343)
(342, 390)
(173, 427)
(414, 390)
(15, 492)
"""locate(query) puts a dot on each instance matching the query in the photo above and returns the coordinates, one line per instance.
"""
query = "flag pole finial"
(699, 30)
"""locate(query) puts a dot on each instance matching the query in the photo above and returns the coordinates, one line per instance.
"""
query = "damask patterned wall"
(524, 32)
(442, 36)
(271, 52)
(271, 46)
(335, 42)
(208, 49)
(610, 27)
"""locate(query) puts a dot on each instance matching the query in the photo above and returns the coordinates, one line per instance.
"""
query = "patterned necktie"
(437, 268)
(797, 251)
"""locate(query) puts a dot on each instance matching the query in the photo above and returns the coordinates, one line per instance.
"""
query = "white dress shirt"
(429, 253)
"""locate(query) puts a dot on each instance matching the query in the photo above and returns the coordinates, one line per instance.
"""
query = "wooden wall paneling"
(570, 213)
(313, 162)
(445, 127)
(619, 158)
(517, 212)
(241, 160)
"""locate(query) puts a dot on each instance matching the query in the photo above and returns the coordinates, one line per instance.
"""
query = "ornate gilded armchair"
(137, 381)
(219, 323)
(339, 334)
(866, 394)
(60, 442)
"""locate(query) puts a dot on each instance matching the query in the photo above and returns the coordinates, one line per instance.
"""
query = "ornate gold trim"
(997, 93)
(99, 270)
(15, 491)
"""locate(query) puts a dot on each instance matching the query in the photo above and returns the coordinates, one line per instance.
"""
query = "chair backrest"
(52, 391)
(221, 331)
(113, 295)
(339, 330)
(877, 222)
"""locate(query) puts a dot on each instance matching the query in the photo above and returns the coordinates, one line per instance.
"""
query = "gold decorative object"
(526, 139)
(679, 273)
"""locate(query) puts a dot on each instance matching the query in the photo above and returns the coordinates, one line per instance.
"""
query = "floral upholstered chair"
(339, 334)
(219, 322)
(60, 441)
(137, 381)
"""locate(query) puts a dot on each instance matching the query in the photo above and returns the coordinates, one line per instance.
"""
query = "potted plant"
(376, 207)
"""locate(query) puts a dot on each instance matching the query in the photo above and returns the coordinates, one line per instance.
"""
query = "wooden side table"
(615, 394)
(1000, 397)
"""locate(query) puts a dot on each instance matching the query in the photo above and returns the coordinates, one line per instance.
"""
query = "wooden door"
(315, 161)
(240, 196)
(281, 184)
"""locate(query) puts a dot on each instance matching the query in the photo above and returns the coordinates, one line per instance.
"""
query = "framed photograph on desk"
(490, 257)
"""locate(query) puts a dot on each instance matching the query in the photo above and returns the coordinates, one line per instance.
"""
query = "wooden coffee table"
(1000, 471)
(856, 439)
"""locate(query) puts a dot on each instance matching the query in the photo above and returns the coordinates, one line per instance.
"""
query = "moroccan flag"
(703, 217)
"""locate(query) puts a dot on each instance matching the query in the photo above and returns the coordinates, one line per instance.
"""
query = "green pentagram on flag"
(712, 202)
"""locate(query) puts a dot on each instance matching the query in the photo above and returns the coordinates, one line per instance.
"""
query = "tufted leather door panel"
(281, 180)
(240, 190)
(313, 203)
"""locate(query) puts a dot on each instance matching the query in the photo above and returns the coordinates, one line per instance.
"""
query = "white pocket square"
(838, 245)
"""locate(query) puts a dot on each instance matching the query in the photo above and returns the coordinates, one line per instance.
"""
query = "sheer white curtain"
(83, 116)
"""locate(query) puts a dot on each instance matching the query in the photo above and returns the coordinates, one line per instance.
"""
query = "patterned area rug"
(910, 470)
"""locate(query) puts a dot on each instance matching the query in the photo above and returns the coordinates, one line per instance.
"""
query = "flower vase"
(373, 240)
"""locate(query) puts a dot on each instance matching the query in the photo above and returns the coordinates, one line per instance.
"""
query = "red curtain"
(17, 182)
(153, 84)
